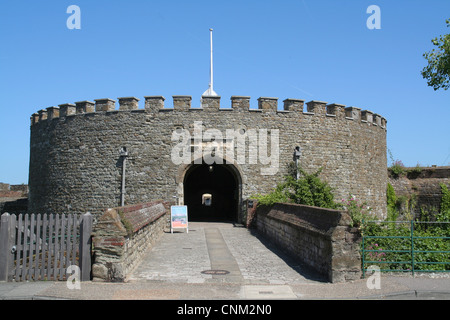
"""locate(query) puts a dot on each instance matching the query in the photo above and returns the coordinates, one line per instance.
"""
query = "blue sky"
(305, 49)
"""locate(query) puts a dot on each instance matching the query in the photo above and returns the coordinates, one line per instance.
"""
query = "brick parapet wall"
(319, 238)
(122, 235)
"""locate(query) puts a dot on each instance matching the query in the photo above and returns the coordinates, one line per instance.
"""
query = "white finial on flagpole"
(210, 91)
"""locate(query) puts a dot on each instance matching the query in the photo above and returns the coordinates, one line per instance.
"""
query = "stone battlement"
(156, 104)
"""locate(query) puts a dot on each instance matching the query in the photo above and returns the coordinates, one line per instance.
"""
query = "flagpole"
(210, 92)
(211, 67)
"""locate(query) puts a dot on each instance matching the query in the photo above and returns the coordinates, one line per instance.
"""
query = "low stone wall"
(319, 238)
(122, 235)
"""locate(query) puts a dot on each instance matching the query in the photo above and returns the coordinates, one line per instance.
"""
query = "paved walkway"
(218, 261)
(217, 253)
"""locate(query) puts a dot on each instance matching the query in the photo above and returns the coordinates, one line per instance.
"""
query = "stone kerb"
(122, 235)
(317, 237)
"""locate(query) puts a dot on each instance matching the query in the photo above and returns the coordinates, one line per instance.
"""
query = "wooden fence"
(41, 247)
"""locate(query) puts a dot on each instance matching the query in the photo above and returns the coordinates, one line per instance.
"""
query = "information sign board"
(178, 218)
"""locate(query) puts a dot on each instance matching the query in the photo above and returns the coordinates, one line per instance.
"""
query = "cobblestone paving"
(260, 262)
(177, 257)
(181, 257)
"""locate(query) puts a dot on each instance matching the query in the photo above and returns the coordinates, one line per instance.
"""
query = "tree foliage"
(437, 72)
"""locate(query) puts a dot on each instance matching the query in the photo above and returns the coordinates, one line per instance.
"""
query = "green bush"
(414, 172)
(391, 197)
(309, 189)
(392, 203)
(398, 250)
(397, 168)
(278, 195)
(358, 211)
(445, 203)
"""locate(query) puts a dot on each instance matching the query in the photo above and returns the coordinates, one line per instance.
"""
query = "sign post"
(178, 218)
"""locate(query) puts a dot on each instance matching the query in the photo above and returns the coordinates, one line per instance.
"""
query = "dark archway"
(219, 181)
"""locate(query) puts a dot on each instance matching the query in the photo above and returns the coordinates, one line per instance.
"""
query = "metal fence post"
(85, 247)
(412, 246)
(7, 235)
(363, 253)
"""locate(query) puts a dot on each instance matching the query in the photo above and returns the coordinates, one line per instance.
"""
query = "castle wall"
(75, 164)
(424, 185)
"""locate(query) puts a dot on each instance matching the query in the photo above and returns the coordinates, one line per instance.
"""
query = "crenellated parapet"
(183, 103)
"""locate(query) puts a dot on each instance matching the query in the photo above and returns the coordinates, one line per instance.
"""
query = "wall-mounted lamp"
(123, 153)
(297, 154)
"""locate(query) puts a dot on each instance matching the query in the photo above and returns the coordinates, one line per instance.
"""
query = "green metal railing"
(404, 246)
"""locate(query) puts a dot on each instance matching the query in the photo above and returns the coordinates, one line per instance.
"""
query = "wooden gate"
(41, 247)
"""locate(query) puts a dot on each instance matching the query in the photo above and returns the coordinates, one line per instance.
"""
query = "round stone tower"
(182, 153)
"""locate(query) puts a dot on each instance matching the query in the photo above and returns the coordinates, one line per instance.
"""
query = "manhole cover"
(216, 272)
(265, 292)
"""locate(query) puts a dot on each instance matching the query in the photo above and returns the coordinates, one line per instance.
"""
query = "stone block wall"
(122, 235)
(424, 184)
(319, 238)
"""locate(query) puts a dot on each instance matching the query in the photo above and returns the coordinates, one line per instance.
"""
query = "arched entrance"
(212, 192)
